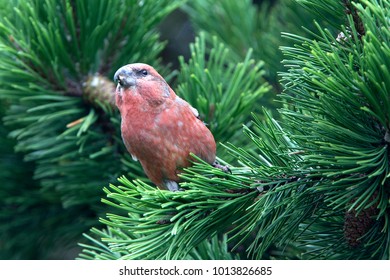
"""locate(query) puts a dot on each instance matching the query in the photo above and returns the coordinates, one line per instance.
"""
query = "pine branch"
(214, 249)
(250, 27)
(61, 110)
(63, 119)
(341, 108)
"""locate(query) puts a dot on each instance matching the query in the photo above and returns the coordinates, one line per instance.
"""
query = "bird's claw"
(172, 186)
(224, 168)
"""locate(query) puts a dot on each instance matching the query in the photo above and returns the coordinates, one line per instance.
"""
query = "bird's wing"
(185, 103)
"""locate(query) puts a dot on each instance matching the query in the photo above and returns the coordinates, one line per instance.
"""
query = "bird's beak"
(125, 77)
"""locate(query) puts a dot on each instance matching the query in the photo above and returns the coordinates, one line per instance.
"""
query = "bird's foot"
(172, 185)
(224, 168)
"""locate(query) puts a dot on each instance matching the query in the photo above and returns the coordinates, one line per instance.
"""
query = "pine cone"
(98, 90)
(357, 225)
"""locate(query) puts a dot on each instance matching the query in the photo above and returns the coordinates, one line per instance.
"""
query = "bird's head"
(140, 81)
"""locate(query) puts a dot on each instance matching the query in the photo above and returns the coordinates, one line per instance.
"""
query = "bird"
(159, 129)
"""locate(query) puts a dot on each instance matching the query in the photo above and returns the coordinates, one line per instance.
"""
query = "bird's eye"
(143, 72)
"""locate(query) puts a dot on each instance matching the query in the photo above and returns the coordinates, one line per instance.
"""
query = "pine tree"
(312, 184)
(317, 184)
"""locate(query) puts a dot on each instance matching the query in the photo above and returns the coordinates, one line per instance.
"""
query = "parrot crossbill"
(158, 127)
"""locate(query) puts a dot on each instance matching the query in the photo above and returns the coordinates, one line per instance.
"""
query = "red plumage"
(159, 128)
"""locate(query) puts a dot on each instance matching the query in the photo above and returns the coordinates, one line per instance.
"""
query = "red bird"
(159, 128)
